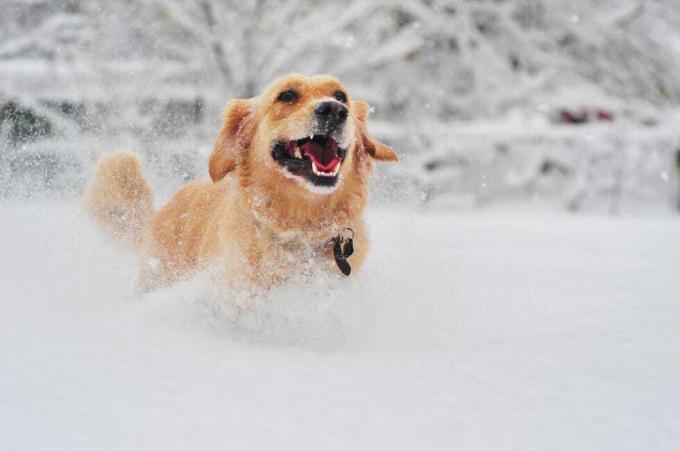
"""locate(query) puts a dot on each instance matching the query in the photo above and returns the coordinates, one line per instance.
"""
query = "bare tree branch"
(216, 45)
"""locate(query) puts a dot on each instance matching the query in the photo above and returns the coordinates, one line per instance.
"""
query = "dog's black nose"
(330, 115)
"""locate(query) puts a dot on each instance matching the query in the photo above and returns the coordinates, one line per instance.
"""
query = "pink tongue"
(326, 159)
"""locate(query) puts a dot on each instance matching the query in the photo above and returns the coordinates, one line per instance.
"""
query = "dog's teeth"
(316, 171)
(298, 154)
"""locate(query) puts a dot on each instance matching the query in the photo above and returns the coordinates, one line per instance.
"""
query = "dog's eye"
(288, 96)
(340, 96)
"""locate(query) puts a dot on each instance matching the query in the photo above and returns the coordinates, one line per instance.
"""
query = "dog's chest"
(291, 253)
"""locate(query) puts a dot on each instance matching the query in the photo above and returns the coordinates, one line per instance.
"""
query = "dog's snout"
(330, 114)
(331, 108)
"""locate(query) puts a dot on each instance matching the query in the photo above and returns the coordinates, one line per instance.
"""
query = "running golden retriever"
(288, 184)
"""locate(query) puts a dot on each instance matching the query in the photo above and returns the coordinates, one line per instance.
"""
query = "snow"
(479, 330)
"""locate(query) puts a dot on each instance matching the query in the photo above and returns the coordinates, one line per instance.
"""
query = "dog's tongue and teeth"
(324, 158)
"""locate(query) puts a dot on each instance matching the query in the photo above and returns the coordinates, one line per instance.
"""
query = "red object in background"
(585, 115)
(573, 117)
(603, 115)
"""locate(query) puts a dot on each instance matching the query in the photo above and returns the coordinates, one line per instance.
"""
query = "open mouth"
(316, 158)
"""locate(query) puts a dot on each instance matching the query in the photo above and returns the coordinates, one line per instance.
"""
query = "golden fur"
(249, 214)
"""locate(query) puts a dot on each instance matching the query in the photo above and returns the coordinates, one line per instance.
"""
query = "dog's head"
(303, 134)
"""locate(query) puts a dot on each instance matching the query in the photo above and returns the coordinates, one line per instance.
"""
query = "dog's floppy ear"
(232, 139)
(373, 147)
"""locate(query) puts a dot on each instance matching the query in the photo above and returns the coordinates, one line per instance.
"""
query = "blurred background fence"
(571, 103)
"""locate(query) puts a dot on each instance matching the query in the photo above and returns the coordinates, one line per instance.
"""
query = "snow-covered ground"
(478, 330)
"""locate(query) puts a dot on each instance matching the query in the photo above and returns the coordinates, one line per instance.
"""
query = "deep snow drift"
(465, 331)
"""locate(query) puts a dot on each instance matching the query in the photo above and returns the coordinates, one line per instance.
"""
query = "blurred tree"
(434, 58)
(250, 43)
